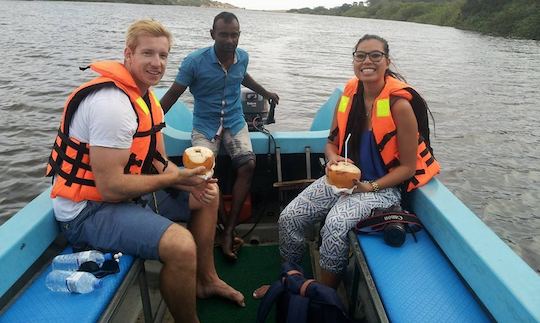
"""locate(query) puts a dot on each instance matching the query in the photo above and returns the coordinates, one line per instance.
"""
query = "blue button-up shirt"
(216, 90)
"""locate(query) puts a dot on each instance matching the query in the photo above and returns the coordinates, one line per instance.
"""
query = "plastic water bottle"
(73, 261)
(71, 281)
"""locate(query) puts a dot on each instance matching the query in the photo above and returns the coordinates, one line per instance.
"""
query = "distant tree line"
(512, 18)
(190, 3)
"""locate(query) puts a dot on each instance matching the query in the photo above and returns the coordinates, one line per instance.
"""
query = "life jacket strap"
(70, 179)
(132, 161)
(77, 162)
(161, 159)
(393, 163)
(424, 152)
(385, 139)
(69, 142)
(155, 129)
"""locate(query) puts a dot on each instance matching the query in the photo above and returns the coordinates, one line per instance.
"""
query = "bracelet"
(374, 186)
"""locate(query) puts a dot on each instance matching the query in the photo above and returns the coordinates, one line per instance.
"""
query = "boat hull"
(506, 287)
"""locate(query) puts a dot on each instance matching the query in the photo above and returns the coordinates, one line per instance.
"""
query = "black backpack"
(301, 300)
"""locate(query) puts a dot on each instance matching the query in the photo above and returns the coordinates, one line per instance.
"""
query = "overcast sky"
(285, 4)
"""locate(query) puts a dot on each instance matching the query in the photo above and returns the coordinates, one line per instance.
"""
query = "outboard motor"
(256, 112)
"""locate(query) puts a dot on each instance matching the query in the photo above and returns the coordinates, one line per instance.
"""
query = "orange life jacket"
(384, 128)
(70, 160)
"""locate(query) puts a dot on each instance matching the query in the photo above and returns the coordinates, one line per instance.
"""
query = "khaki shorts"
(238, 146)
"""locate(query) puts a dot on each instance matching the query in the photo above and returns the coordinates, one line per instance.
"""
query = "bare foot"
(227, 246)
(221, 289)
(237, 244)
(261, 291)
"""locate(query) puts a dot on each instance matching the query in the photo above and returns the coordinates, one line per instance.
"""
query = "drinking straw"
(346, 145)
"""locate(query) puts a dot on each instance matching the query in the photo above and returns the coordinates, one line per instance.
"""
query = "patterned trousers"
(342, 213)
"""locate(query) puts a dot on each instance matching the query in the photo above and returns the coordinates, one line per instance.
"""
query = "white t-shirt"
(105, 118)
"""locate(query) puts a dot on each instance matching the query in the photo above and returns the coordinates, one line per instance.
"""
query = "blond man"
(109, 159)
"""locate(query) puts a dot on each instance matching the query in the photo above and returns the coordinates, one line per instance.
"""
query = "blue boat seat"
(416, 283)
(38, 304)
(25, 237)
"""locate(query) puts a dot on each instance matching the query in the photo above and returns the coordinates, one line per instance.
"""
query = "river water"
(483, 91)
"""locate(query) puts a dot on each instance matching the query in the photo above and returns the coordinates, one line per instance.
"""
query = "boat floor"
(258, 263)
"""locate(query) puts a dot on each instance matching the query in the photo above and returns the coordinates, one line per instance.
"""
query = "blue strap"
(323, 294)
(275, 290)
(298, 309)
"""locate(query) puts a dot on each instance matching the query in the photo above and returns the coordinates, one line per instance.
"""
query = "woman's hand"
(362, 187)
(334, 160)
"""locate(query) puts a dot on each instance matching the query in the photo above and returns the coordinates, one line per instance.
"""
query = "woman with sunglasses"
(389, 141)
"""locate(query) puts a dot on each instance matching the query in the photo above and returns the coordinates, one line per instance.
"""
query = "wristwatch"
(374, 186)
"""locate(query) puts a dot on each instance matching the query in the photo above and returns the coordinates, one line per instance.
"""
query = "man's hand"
(194, 177)
(250, 83)
(208, 194)
(272, 96)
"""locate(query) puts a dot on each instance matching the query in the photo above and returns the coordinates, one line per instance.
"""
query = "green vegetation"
(512, 18)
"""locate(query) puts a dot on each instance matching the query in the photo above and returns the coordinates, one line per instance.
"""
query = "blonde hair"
(146, 27)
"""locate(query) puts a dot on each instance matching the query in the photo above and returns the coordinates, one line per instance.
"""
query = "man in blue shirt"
(214, 75)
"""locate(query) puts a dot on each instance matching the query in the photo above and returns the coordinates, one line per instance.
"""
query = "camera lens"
(394, 234)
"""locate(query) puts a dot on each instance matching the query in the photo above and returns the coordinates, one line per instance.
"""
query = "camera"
(394, 234)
